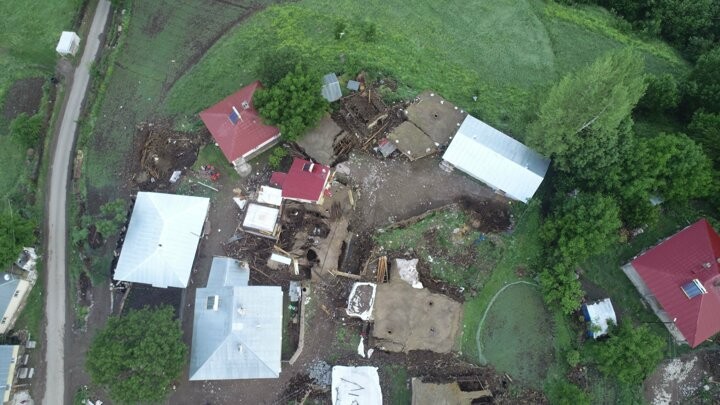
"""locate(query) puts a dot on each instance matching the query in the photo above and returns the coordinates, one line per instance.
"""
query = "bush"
(561, 288)
(278, 154)
(16, 232)
(629, 354)
(112, 217)
(561, 392)
(662, 93)
(340, 27)
(369, 31)
(573, 358)
(26, 130)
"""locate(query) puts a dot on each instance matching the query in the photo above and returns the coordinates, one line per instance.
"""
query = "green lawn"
(505, 52)
(399, 393)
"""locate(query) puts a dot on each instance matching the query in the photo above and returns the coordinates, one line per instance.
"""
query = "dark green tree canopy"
(705, 129)
(579, 121)
(662, 93)
(294, 104)
(561, 288)
(136, 356)
(703, 86)
(629, 354)
(16, 232)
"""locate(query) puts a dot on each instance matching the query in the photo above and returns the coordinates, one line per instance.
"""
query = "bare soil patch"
(23, 97)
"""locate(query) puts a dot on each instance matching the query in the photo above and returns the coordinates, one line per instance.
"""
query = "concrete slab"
(411, 141)
(318, 142)
(410, 319)
(435, 116)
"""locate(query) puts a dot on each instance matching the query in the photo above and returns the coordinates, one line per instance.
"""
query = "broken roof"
(237, 328)
(411, 141)
(305, 181)
(356, 385)
(236, 126)
(683, 273)
(496, 159)
(161, 239)
(331, 87)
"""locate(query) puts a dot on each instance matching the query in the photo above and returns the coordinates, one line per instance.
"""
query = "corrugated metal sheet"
(331, 87)
(161, 240)
(8, 354)
(598, 314)
(242, 338)
(228, 272)
(496, 159)
(7, 290)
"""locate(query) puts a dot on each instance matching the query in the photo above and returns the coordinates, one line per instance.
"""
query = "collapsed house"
(237, 329)
(238, 129)
(496, 159)
(680, 279)
(161, 240)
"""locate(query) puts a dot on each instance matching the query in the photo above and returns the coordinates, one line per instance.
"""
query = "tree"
(703, 85)
(276, 64)
(112, 217)
(16, 232)
(26, 129)
(579, 121)
(630, 353)
(705, 129)
(662, 93)
(295, 104)
(138, 355)
(562, 392)
(561, 288)
(582, 226)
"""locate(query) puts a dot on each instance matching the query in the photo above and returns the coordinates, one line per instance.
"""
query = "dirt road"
(55, 306)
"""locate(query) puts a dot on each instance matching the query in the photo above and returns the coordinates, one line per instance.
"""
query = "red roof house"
(680, 279)
(305, 181)
(237, 127)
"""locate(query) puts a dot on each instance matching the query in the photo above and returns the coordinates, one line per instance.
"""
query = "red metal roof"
(304, 181)
(693, 253)
(247, 133)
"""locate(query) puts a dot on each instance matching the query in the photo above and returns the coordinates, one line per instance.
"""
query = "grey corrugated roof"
(7, 290)
(331, 87)
(228, 272)
(7, 365)
(242, 338)
(496, 159)
(161, 240)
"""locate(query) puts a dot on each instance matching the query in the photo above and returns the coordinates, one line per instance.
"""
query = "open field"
(507, 53)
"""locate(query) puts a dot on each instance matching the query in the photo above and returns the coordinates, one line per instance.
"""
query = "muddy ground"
(690, 379)
(23, 97)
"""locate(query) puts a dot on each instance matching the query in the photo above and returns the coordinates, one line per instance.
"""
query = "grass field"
(505, 52)
(464, 259)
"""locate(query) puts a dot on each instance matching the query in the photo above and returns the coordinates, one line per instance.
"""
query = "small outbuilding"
(237, 329)
(68, 44)
(305, 182)
(496, 159)
(599, 315)
(161, 240)
(262, 220)
(331, 87)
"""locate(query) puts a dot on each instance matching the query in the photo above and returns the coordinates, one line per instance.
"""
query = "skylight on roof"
(213, 302)
(693, 288)
(234, 116)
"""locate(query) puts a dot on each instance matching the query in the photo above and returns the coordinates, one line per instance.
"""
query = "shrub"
(662, 93)
(630, 353)
(561, 392)
(26, 129)
(276, 157)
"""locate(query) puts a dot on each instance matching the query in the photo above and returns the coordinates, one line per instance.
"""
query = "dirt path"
(56, 304)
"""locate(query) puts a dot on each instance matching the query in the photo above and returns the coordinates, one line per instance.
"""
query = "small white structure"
(161, 240)
(270, 195)
(599, 315)
(68, 44)
(361, 301)
(262, 220)
(496, 159)
(356, 385)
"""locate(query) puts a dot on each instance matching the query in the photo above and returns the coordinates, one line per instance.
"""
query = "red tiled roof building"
(680, 279)
(237, 127)
(305, 181)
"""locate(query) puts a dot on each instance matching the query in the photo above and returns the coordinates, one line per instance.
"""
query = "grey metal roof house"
(8, 361)
(8, 286)
(161, 239)
(237, 330)
(496, 159)
(331, 87)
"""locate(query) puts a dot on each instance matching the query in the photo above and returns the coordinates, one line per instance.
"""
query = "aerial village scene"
(332, 202)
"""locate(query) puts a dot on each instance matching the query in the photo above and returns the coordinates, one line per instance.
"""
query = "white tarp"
(270, 195)
(356, 386)
(261, 218)
(408, 272)
(68, 44)
(598, 314)
(361, 301)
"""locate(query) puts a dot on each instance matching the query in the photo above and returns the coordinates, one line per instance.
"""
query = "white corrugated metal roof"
(161, 240)
(261, 217)
(331, 87)
(599, 313)
(241, 338)
(270, 195)
(228, 272)
(496, 159)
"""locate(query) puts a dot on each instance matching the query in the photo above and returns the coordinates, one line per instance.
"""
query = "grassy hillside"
(505, 52)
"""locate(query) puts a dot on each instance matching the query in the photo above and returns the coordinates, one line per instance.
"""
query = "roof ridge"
(249, 349)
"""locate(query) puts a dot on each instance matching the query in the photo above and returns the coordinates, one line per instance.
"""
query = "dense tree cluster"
(16, 232)
(137, 356)
(294, 104)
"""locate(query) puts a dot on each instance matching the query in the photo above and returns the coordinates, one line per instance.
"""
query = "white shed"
(68, 44)
(496, 159)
